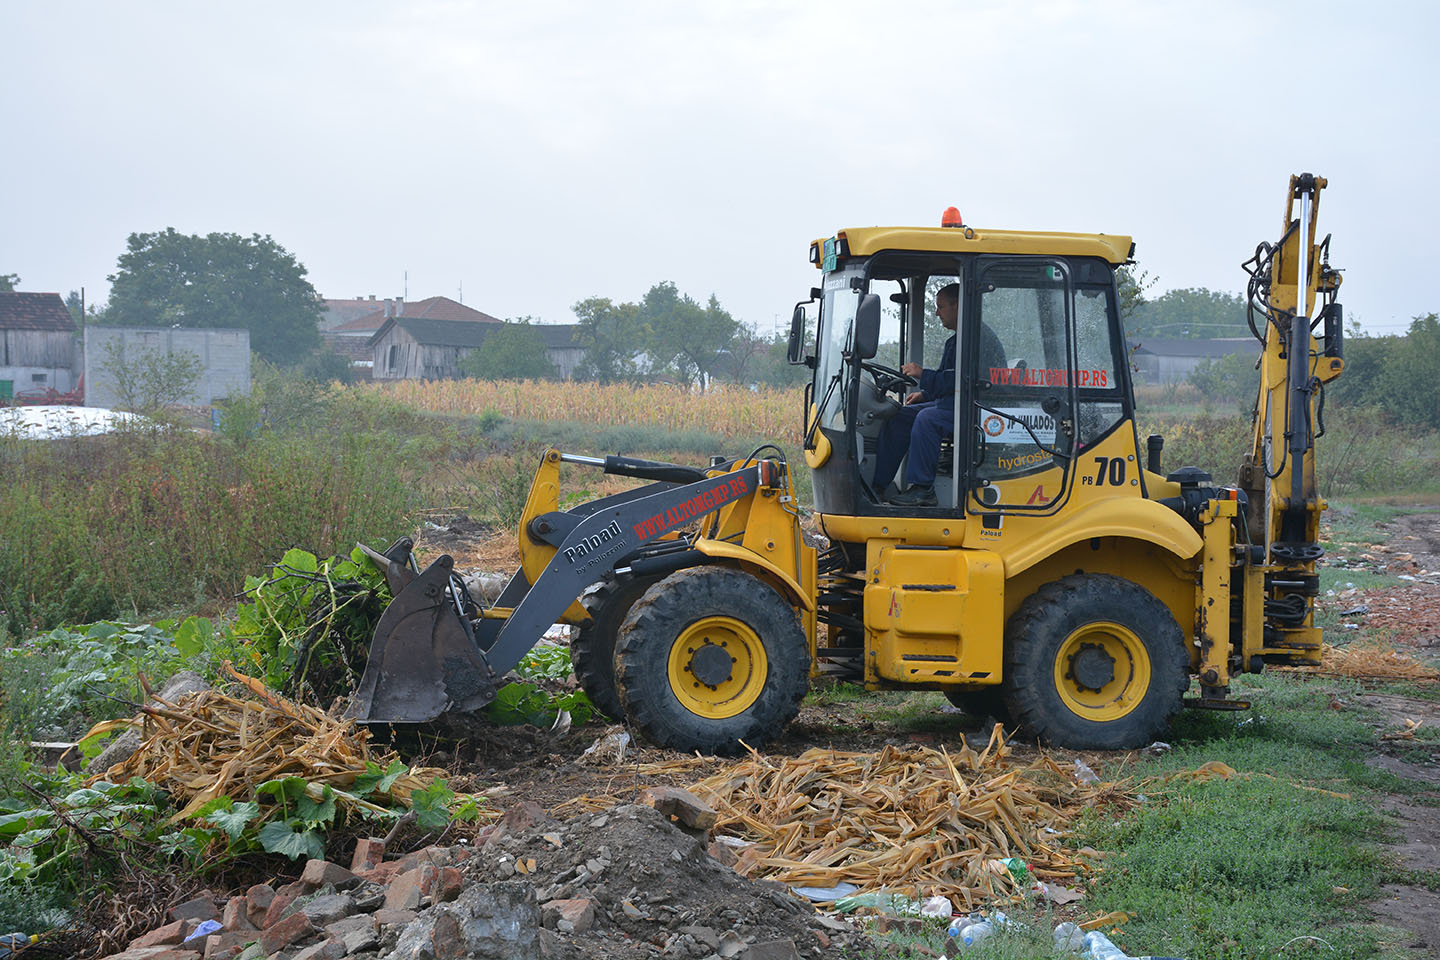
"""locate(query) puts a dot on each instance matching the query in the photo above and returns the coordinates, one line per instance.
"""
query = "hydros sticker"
(1008, 425)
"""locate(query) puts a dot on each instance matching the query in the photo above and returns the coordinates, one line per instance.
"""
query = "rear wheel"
(592, 649)
(1095, 662)
(709, 657)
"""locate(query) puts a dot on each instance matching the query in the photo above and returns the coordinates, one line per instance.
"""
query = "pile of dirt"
(653, 888)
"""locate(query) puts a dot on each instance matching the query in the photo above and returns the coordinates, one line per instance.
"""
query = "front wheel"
(1095, 662)
(710, 657)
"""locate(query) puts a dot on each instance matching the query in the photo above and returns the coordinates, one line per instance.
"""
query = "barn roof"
(468, 333)
(1222, 347)
(34, 311)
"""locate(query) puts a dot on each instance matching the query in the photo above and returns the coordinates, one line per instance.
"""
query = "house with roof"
(1172, 361)
(347, 327)
(427, 348)
(37, 344)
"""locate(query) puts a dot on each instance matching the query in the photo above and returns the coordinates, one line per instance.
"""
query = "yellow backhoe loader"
(1060, 580)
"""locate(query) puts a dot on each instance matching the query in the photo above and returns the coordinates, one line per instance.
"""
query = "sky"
(523, 157)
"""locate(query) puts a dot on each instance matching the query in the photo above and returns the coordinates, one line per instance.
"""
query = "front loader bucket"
(423, 661)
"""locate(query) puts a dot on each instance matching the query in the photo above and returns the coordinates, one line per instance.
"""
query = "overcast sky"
(536, 154)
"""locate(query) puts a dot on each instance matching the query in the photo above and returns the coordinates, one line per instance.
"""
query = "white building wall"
(224, 357)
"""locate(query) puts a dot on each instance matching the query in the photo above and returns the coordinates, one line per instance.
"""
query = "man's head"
(947, 305)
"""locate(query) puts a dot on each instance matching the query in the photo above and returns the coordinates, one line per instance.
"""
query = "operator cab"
(1040, 371)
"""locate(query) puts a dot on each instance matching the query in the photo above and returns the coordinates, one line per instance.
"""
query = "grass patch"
(1240, 867)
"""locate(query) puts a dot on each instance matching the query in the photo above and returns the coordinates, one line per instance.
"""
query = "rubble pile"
(625, 883)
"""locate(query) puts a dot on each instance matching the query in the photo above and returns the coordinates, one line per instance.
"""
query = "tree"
(8, 282)
(1414, 392)
(146, 380)
(1194, 313)
(686, 338)
(1131, 286)
(513, 351)
(613, 335)
(219, 280)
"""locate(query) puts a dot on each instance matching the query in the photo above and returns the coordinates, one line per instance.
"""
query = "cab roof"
(865, 241)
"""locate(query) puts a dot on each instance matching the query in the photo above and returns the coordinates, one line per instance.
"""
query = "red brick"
(280, 935)
(168, 935)
(580, 914)
(236, 917)
(369, 854)
(443, 886)
(320, 872)
(156, 953)
(277, 909)
(226, 946)
(387, 871)
(257, 900)
(407, 890)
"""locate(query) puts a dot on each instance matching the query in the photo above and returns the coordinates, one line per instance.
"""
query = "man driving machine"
(928, 415)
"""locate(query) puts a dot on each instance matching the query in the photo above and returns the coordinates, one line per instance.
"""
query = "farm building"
(408, 348)
(1171, 361)
(348, 326)
(224, 359)
(37, 344)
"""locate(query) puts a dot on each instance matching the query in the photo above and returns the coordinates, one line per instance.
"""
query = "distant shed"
(37, 344)
(224, 359)
(420, 348)
(1172, 361)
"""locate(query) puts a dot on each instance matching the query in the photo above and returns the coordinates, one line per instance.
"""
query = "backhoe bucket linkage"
(426, 659)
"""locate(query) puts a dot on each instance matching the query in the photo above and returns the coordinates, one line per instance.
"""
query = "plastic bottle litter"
(976, 933)
(1099, 947)
(1018, 869)
(1069, 937)
(960, 923)
(937, 907)
(1084, 774)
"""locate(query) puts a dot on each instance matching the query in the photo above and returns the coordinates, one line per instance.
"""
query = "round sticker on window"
(993, 426)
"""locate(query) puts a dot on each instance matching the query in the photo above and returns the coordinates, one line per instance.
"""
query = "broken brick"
(281, 934)
(578, 914)
(169, 935)
(683, 805)
(318, 873)
(369, 854)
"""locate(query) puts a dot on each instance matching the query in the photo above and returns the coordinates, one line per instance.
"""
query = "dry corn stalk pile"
(215, 745)
(1368, 659)
(916, 821)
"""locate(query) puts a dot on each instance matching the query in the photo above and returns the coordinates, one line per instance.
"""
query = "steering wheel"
(892, 379)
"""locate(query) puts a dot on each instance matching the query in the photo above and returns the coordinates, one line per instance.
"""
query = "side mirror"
(794, 353)
(867, 328)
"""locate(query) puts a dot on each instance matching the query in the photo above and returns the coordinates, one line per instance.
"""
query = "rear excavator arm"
(1293, 312)
(435, 652)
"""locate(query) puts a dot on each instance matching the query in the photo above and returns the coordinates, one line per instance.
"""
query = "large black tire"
(592, 649)
(980, 704)
(711, 656)
(1095, 662)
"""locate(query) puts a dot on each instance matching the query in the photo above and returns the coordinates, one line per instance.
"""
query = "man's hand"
(916, 397)
(911, 369)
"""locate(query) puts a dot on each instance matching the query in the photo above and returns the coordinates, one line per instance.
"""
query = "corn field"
(725, 410)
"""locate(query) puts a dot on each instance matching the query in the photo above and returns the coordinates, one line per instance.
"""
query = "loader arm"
(427, 659)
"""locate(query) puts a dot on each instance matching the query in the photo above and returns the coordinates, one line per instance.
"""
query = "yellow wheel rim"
(717, 667)
(1102, 671)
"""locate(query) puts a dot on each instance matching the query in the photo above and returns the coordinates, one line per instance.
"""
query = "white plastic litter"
(57, 422)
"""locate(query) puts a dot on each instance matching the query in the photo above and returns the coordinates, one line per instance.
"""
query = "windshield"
(837, 317)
